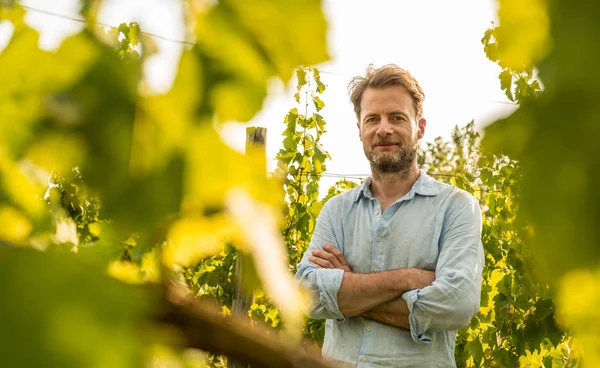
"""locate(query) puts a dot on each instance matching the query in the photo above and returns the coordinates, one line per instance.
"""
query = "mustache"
(385, 142)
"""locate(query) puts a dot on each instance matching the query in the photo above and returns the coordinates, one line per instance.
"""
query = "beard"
(387, 162)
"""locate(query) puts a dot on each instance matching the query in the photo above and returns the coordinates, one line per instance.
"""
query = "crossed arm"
(407, 298)
(377, 295)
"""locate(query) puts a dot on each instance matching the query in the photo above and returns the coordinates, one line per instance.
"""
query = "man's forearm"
(394, 313)
(362, 292)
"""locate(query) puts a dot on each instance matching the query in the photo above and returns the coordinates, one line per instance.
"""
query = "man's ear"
(421, 124)
(358, 126)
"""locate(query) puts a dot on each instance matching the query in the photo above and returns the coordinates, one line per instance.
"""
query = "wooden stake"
(256, 138)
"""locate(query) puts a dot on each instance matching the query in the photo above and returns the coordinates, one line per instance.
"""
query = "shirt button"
(379, 238)
(364, 360)
(369, 328)
(377, 212)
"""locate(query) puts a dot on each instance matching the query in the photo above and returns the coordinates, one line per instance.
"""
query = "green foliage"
(339, 187)
(152, 189)
(126, 37)
(301, 162)
(58, 311)
(213, 277)
(74, 203)
(517, 311)
(518, 83)
(554, 139)
(153, 182)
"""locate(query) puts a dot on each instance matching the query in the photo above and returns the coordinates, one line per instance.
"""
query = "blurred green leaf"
(64, 313)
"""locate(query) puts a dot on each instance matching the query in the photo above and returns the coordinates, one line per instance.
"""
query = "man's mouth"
(386, 145)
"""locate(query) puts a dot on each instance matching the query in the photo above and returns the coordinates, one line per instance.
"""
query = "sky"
(438, 41)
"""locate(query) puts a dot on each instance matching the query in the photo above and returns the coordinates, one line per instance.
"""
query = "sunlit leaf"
(213, 168)
(163, 121)
(523, 33)
(57, 152)
(195, 237)
(22, 188)
(280, 24)
(16, 227)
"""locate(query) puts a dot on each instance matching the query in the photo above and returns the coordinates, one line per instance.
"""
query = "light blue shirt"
(435, 226)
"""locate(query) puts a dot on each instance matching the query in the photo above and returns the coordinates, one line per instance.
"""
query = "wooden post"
(256, 137)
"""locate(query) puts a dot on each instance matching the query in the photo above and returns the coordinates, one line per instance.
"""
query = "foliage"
(518, 83)
(339, 187)
(553, 138)
(171, 191)
(156, 190)
(517, 45)
(71, 201)
(57, 312)
(517, 312)
(301, 163)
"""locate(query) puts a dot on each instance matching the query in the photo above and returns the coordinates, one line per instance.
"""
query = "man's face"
(388, 128)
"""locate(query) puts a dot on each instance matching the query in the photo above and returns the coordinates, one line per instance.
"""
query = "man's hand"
(329, 257)
(418, 278)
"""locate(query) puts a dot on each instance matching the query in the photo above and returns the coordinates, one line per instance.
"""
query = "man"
(395, 264)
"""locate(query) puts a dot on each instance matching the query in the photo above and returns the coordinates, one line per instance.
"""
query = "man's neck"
(387, 188)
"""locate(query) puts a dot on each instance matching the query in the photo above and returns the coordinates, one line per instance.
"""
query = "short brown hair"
(385, 76)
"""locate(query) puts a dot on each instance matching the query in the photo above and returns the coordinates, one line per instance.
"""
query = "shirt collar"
(425, 185)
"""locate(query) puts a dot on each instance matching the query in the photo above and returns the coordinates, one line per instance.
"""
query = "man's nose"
(385, 128)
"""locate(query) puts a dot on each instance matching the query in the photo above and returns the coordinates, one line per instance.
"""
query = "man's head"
(388, 103)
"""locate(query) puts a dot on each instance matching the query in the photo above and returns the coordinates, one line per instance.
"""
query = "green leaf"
(491, 203)
(319, 104)
(290, 144)
(316, 208)
(301, 77)
(502, 357)
(279, 25)
(238, 99)
(135, 33)
(506, 83)
(124, 29)
(485, 175)
(30, 86)
(320, 123)
(82, 308)
(475, 349)
(291, 120)
(317, 78)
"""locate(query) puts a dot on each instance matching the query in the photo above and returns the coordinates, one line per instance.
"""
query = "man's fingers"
(336, 252)
(328, 257)
(320, 262)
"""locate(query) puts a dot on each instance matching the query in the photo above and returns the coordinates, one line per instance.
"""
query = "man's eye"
(398, 118)
(370, 120)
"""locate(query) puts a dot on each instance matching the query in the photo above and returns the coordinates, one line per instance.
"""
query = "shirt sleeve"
(324, 284)
(453, 298)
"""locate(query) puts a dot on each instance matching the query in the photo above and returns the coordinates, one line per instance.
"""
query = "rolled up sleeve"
(453, 298)
(324, 284)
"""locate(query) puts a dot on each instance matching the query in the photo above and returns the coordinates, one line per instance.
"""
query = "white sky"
(438, 41)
